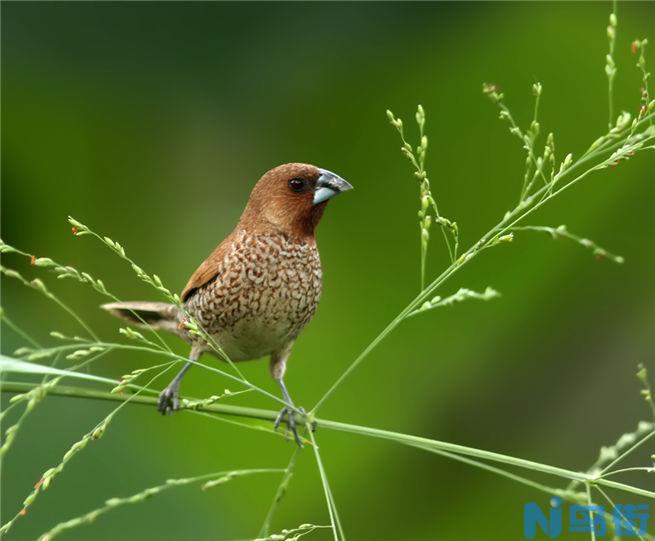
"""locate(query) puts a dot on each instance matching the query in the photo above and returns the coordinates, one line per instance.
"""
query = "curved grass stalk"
(279, 494)
(626, 522)
(427, 200)
(39, 286)
(566, 494)
(428, 444)
(95, 433)
(628, 451)
(620, 151)
(562, 232)
(20, 332)
(610, 65)
(592, 529)
(405, 439)
(84, 346)
(63, 271)
(211, 480)
(624, 470)
(33, 398)
(613, 453)
(337, 530)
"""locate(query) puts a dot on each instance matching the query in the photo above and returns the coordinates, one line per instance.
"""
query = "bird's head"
(291, 198)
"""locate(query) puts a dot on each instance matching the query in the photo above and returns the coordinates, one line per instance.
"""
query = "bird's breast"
(267, 289)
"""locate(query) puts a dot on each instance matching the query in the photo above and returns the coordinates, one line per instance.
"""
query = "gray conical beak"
(328, 185)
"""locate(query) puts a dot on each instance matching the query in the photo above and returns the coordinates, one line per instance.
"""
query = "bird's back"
(265, 290)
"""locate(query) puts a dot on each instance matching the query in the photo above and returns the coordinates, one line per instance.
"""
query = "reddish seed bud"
(33, 260)
(23, 512)
(74, 230)
(634, 46)
(38, 484)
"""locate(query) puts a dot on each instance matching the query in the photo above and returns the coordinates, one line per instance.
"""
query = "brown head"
(291, 198)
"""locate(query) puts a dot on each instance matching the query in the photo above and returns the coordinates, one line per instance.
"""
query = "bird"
(258, 289)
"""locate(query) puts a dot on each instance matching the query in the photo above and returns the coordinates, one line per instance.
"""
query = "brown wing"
(208, 269)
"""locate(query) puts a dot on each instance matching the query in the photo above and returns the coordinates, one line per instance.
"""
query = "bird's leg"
(169, 398)
(278, 368)
(289, 412)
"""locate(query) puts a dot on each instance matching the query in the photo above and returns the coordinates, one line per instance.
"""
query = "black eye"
(296, 184)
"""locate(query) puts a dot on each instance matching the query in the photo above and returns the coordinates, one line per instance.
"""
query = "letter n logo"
(533, 516)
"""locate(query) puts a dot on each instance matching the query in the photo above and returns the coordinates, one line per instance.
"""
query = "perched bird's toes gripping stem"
(290, 415)
(169, 400)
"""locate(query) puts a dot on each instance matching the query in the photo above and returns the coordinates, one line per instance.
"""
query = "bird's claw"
(169, 400)
(290, 414)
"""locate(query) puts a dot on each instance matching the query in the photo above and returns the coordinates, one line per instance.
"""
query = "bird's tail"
(158, 315)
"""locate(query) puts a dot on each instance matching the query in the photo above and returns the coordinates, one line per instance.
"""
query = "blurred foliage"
(151, 122)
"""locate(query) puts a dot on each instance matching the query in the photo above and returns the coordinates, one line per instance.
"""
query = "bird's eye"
(296, 184)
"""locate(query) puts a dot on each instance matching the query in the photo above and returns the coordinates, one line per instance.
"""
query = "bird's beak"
(328, 185)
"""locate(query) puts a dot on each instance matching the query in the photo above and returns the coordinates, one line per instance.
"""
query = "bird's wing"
(208, 269)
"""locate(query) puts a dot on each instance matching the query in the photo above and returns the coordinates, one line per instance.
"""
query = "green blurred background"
(151, 122)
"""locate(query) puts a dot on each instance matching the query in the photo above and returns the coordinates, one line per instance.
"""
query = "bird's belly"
(254, 336)
(258, 305)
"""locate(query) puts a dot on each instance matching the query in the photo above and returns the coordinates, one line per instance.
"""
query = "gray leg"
(278, 368)
(169, 398)
(289, 412)
(285, 393)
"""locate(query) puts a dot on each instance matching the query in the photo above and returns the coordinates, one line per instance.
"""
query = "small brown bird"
(258, 289)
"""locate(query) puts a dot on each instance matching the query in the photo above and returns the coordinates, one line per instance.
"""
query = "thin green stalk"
(337, 530)
(609, 453)
(610, 65)
(499, 471)
(249, 424)
(279, 493)
(624, 470)
(95, 433)
(563, 232)
(424, 443)
(33, 399)
(566, 494)
(405, 439)
(417, 159)
(39, 286)
(165, 353)
(20, 332)
(506, 224)
(530, 139)
(63, 271)
(213, 479)
(645, 75)
(592, 530)
(628, 451)
(626, 521)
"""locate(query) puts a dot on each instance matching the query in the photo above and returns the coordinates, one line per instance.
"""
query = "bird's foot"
(169, 400)
(290, 414)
